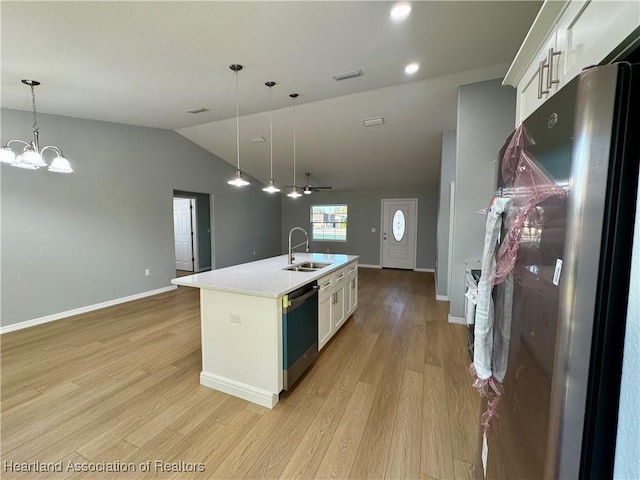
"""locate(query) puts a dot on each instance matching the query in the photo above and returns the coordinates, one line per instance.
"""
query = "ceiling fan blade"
(320, 188)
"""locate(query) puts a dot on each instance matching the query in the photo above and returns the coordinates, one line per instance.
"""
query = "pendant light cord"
(271, 132)
(237, 123)
(294, 140)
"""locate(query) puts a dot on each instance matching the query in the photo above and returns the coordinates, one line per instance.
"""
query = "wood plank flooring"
(389, 397)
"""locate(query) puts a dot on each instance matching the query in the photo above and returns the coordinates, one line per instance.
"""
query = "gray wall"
(70, 241)
(486, 116)
(447, 175)
(203, 226)
(364, 214)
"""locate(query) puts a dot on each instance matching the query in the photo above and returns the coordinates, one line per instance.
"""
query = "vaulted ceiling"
(145, 63)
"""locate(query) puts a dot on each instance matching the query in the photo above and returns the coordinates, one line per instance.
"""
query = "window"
(329, 223)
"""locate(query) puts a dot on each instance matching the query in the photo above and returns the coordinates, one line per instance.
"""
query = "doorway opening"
(192, 221)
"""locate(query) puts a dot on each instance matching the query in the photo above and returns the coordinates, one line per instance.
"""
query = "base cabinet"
(338, 298)
(325, 307)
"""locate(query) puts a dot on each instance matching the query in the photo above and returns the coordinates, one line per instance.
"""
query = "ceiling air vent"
(257, 139)
(344, 76)
(370, 122)
(197, 110)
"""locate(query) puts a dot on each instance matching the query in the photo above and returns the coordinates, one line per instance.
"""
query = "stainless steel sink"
(299, 268)
(307, 267)
(314, 265)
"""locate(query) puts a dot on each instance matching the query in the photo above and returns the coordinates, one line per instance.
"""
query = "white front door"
(182, 232)
(399, 222)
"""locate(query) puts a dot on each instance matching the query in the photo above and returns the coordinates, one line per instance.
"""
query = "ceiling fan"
(308, 188)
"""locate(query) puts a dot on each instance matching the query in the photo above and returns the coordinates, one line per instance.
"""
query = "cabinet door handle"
(543, 65)
(550, 80)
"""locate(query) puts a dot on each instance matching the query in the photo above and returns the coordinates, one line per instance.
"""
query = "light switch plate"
(236, 318)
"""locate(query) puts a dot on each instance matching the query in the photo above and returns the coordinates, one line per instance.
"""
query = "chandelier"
(32, 157)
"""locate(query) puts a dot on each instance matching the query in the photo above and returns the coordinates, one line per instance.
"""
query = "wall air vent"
(370, 122)
(257, 139)
(197, 110)
(346, 75)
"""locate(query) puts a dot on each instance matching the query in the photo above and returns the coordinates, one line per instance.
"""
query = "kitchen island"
(241, 320)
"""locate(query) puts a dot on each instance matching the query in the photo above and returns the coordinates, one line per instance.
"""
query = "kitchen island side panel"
(242, 345)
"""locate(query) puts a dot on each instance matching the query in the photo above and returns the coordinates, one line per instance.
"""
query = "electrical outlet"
(146, 272)
(254, 253)
(235, 317)
(373, 230)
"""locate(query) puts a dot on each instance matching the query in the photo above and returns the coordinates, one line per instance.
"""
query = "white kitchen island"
(241, 322)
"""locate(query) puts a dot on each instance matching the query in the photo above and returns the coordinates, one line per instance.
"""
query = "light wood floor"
(389, 397)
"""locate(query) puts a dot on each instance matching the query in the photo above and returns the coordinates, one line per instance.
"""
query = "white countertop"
(264, 278)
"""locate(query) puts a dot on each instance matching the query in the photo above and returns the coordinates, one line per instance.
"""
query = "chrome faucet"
(291, 257)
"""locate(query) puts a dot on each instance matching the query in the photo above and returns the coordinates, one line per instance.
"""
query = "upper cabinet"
(565, 38)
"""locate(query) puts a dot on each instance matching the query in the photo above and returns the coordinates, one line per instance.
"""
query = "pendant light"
(271, 188)
(237, 180)
(294, 191)
(31, 157)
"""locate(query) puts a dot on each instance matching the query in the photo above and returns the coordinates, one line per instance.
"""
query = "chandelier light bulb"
(60, 165)
(7, 155)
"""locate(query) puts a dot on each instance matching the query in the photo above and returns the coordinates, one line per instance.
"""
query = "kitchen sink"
(307, 267)
(299, 268)
(314, 265)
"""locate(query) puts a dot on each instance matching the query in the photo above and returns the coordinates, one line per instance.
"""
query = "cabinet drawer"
(324, 284)
(339, 275)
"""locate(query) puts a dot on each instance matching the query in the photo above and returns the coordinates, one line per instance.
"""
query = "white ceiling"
(144, 63)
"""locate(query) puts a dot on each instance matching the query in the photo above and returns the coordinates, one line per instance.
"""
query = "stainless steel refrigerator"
(558, 415)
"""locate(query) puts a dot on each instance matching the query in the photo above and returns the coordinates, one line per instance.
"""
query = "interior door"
(183, 233)
(399, 222)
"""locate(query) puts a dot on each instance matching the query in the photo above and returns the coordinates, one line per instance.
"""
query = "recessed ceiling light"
(370, 122)
(257, 139)
(197, 110)
(411, 68)
(400, 11)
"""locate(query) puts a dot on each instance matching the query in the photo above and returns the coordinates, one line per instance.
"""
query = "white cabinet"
(325, 304)
(338, 312)
(566, 37)
(351, 288)
(338, 298)
(541, 80)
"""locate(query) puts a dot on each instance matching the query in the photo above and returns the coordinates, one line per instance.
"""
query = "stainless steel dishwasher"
(299, 332)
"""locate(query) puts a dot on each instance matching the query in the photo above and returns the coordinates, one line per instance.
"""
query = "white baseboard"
(430, 270)
(78, 311)
(442, 298)
(237, 389)
(366, 265)
(459, 320)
